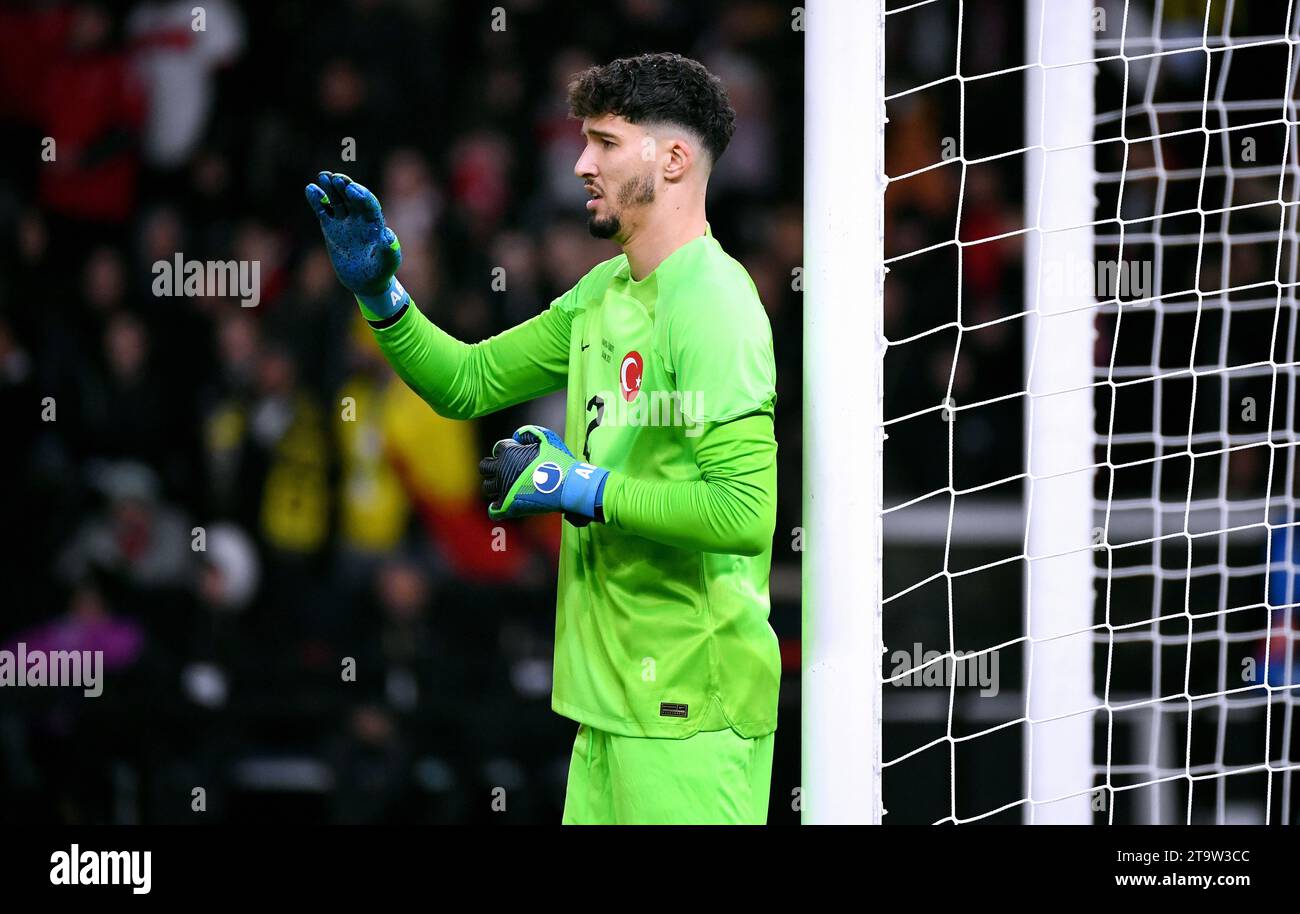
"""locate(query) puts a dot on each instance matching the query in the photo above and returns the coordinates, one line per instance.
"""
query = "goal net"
(1058, 263)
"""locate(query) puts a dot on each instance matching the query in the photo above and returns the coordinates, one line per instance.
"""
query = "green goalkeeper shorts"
(714, 778)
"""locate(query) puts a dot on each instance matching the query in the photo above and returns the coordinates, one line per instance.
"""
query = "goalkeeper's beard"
(638, 191)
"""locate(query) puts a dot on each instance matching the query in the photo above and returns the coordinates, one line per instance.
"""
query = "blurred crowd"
(280, 549)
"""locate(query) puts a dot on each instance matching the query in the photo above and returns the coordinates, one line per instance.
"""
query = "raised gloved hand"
(364, 251)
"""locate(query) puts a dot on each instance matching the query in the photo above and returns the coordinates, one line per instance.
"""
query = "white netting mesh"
(1197, 181)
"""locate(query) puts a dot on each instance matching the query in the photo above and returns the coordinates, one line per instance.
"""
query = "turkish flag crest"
(629, 375)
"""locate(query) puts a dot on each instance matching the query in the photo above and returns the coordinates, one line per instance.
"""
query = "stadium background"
(325, 539)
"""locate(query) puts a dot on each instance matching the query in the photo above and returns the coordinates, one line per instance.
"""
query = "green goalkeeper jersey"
(662, 611)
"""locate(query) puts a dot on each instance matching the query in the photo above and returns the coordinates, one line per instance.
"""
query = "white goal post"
(1147, 517)
(1058, 343)
(843, 294)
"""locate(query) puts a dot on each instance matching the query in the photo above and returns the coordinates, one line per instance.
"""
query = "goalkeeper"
(666, 471)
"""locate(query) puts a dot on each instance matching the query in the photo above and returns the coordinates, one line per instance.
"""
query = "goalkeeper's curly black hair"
(658, 88)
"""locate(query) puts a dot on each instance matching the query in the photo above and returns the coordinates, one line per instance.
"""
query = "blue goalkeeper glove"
(364, 251)
(534, 473)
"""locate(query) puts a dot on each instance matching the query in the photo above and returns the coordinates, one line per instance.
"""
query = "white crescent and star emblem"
(629, 375)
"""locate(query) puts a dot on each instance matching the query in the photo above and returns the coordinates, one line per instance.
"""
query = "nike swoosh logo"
(586, 346)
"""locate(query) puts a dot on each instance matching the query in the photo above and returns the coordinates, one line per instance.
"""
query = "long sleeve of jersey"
(466, 380)
(730, 509)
